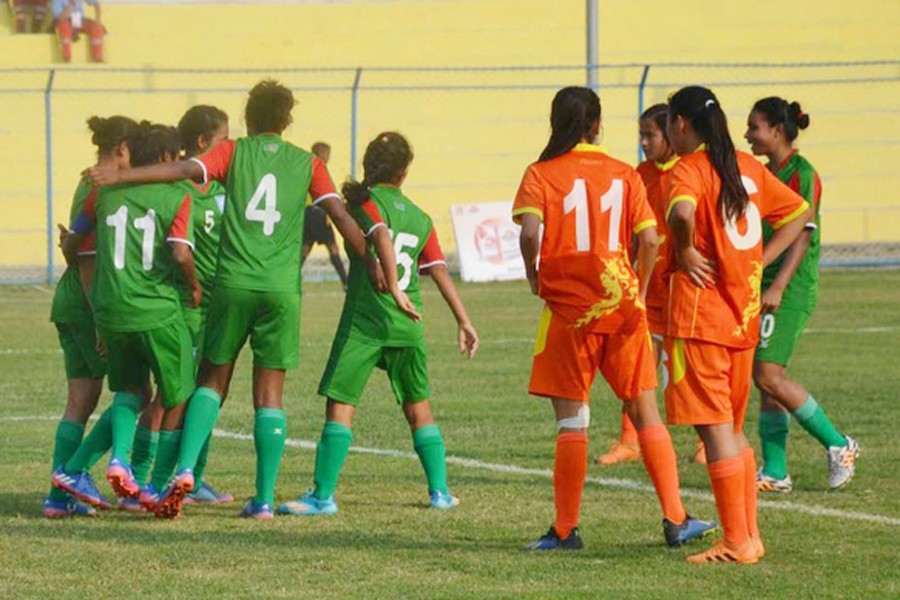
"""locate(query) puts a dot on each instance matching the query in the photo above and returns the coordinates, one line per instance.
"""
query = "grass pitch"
(385, 543)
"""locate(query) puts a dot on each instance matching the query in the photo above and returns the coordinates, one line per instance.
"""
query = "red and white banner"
(487, 242)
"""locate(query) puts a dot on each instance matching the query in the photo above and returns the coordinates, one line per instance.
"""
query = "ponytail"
(778, 111)
(108, 133)
(701, 107)
(572, 116)
(386, 159)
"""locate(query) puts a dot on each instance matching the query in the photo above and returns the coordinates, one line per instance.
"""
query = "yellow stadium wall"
(471, 145)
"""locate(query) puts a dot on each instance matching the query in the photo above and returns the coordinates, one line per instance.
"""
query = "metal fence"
(474, 130)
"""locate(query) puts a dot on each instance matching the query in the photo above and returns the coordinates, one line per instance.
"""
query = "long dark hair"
(108, 133)
(701, 107)
(387, 156)
(572, 117)
(657, 113)
(151, 143)
(778, 111)
(199, 121)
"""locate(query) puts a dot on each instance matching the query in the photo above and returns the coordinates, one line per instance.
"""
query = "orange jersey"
(728, 312)
(656, 177)
(590, 204)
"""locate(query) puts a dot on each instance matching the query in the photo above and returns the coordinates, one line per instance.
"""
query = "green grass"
(385, 544)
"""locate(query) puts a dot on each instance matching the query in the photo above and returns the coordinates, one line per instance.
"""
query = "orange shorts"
(656, 320)
(566, 361)
(708, 384)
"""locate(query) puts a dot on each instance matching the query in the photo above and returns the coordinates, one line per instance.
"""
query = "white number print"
(404, 260)
(209, 221)
(577, 200)
(612, 200)
(147, 224)
(265, 194)
(750, 238)
(767, 326)
(119, 221)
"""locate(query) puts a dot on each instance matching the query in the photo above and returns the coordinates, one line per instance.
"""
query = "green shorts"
(351, 363)
(79, 346)
(778, 334)
(165, 351)
(194, 319)
(270, 319)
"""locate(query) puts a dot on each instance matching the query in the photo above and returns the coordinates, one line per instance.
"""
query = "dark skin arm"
(467, 337)
(771, 298)
(183, 257)
(384, 248)
(162, 172)
(648, 249)
(530, 245)
(353, 235)
(784, 237)
(700, 269)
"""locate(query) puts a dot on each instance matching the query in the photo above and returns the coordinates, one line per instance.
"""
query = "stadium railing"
(474, 130)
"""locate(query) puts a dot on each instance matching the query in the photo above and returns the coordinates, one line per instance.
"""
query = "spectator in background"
(317, 229)
(69, 20)
(36, 8)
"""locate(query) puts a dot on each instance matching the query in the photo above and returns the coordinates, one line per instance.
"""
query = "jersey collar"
(786, 160)
(583, 147)
(667, 166)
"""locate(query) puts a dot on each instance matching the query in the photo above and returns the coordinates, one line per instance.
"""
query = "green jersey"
(134, 277)
(803, 290)
(372, 316)
(207, 206)
(267, 180)
(69, 303)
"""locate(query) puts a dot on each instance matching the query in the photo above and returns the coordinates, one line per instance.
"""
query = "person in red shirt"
(591, 205)
(718, 199)
(36, 8)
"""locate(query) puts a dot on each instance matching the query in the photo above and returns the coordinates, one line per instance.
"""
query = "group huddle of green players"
(175, 263)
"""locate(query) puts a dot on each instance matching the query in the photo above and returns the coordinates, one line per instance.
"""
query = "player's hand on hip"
(468, 340)
(405, 304)
(771, 299)
(700, 269)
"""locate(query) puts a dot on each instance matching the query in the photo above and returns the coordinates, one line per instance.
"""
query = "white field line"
(610, 482)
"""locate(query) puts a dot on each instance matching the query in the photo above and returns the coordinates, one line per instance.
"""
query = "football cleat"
(53, 509)
(149, 498)
(842, 463)
(619, 453)
(308, 505)
(721, 552)
(765, 483)
(81, 487)
(130, 505)
(442, 501)
(171, 500)
(691, 529)
(758, 546)
(205, 494)
(552, 541)
(122, 480)
(261, 511)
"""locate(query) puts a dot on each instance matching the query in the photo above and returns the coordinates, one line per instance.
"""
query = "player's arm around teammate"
(790, 292)
(74, 321)
(374, 332)
(592, 206)
(718, 200)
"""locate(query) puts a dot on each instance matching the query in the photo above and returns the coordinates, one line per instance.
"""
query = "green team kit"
(373, 332)
(72, 315)
(780, 330)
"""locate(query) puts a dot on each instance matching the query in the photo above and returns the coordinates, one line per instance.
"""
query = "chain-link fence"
(473, 130)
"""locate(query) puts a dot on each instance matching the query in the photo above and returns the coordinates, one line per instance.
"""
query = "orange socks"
(727, 479)
(659, 460)
(629, 435)
(750, 490)
(569, 471)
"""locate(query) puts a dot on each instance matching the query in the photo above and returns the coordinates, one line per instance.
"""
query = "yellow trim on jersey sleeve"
(678, 199)
(644, 225)
(794, 215)
(679, 363)
(527, 210)
(540, 340)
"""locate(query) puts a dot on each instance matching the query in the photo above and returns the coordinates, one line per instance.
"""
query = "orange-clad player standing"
(591, 205)
(719, 198)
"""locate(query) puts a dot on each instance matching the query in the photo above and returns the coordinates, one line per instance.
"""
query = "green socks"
(143, 453)
(199, 421)
(269, 433)
(814, 420)
(68, 438)
(773, 433)
(166, 457)
(94, 446)
(429, 446)
(201, 464)
(124, 415)
(331, 451)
